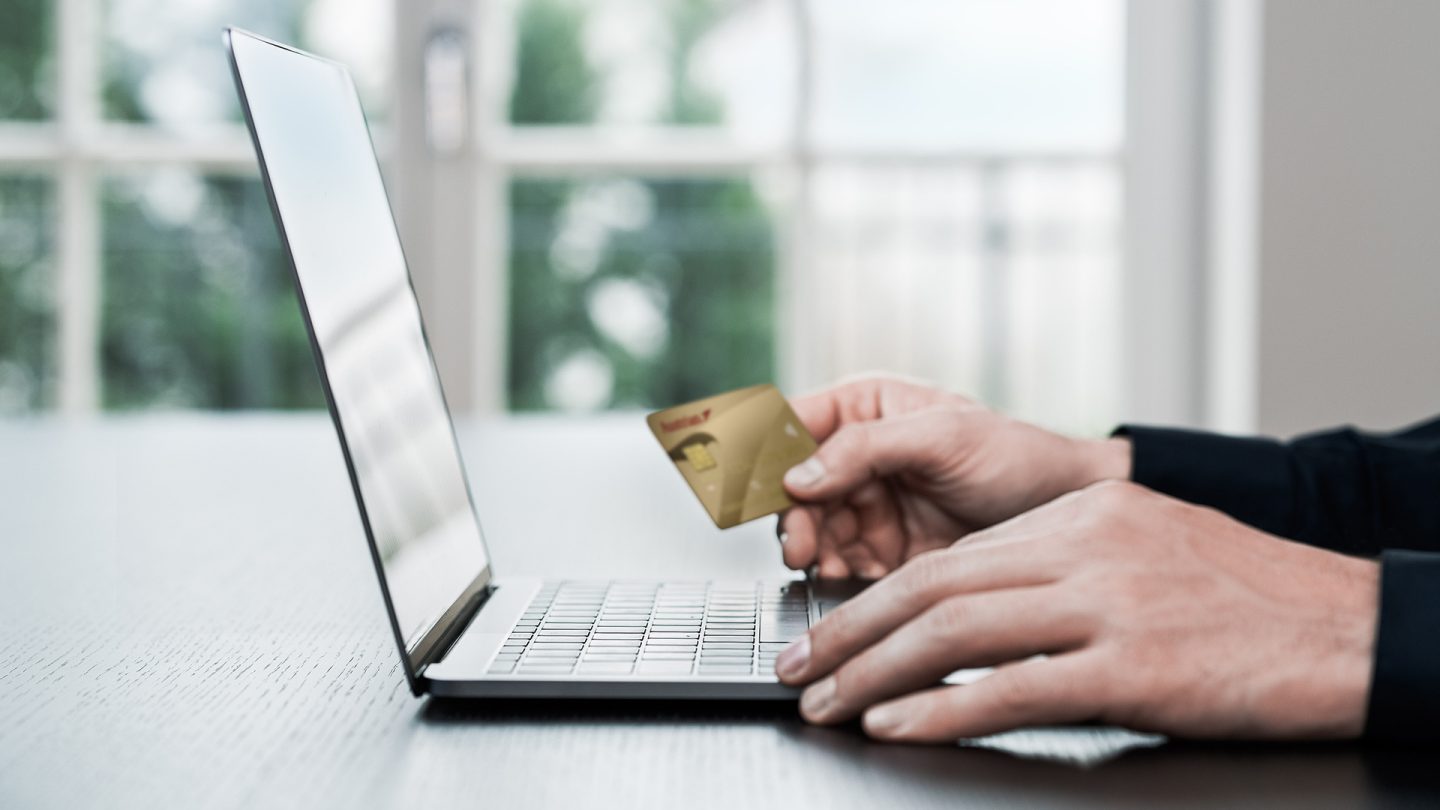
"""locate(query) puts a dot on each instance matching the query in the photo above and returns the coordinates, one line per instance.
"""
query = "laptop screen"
(355, 289)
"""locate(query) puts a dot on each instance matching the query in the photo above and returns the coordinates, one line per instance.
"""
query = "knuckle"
(1015, 695)
(1112, 492)
(950, 618)
(1104, 503)
(850, 442)
(923, 574)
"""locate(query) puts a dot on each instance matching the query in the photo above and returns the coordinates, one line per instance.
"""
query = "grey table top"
(190, 620)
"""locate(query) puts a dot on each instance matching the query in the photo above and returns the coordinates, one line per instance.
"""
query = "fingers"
(878, 524)
(903, 595)
(860, 559)
(817, 535)
(799, 536)
(1061, 689)
(966, 631)
(825, 411)
(863, 451)
(863, 399)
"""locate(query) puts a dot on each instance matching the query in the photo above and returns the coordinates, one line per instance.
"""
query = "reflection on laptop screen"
(356, 289)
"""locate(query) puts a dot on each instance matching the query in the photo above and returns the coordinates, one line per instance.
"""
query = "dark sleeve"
(1405, 685)
(1355, 492)
(1348, 491)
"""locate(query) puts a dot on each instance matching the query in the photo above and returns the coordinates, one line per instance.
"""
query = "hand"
(1150, 613)
(903, 468)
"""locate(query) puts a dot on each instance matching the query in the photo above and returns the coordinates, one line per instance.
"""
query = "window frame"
(452, 208)
(495, 152)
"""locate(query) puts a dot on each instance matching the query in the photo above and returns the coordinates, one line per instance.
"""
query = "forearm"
(1343, 490)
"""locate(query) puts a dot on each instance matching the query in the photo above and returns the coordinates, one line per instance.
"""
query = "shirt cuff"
(1405, 686)
(1246, 478)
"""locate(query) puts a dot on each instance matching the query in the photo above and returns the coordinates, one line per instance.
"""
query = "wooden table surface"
(190, 620)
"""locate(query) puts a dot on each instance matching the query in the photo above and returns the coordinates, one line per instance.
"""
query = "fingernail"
(792, 660)
(817, 699)
(882, 721)
(783, 537)
(807, 473)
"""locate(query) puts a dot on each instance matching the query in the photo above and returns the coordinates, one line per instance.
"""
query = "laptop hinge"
(456, 629)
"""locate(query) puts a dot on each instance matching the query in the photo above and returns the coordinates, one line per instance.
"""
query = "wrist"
(1354, 643)
(1102, 460)
(1074, 464)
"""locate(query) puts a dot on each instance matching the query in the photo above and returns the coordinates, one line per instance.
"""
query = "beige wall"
(1349, 213)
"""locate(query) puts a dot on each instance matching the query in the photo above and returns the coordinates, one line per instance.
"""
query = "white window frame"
(471, 339)
(75, 149)
(461, 269)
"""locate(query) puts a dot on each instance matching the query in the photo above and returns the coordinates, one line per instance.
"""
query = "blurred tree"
(26, 66)
(27, 319)
(199, 311)
(26, 250)
(699, 258)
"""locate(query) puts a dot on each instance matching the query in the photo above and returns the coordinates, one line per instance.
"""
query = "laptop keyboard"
(649, 629)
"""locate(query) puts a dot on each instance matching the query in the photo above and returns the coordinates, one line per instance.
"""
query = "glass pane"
(27, 364)
(27, 43)
(199, 310)
(984, 74)
(639, 62)
(999, 277)
(163, 63)
(632, 293)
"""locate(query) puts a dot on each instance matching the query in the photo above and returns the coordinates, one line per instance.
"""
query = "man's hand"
(903, 468)
(1150, 613)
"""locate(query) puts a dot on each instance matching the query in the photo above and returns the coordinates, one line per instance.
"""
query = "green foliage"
(194, 38)
(26, 64)
(197, 309)
(26, 313)
(200, 313)
(706, 252)
(553, 82)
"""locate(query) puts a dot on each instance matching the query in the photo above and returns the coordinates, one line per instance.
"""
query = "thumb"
(864, 451)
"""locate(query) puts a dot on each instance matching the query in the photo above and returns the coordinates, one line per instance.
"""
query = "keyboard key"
(781, 629)
(604, 668)
(663, 668)
(722, 670)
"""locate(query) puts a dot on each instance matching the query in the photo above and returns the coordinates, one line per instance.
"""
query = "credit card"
(733, 449)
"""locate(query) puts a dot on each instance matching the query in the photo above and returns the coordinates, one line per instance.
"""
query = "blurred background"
(1215, 213)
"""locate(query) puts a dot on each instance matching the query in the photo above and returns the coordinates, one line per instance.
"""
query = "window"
(665, 199)
(139, 266)
(629, 288)
(735, 191)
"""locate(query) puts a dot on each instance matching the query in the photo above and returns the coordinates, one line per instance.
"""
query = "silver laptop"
(462, 630)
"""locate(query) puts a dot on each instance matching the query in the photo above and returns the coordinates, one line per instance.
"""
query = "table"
(190, 620)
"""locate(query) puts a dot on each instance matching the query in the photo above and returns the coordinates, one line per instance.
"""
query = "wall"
(1348, 217)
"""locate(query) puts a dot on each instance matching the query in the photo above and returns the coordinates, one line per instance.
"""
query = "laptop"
(461, 629)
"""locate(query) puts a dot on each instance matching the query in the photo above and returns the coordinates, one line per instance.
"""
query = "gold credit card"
(733, 449)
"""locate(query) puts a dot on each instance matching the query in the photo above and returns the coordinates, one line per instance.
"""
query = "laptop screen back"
(355, 289)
